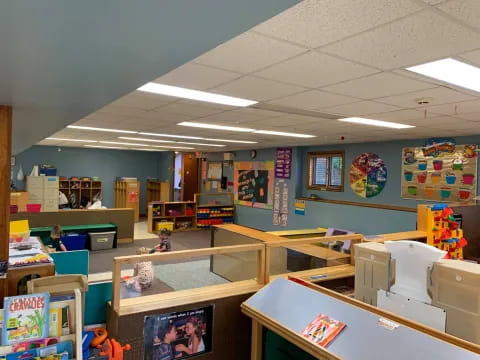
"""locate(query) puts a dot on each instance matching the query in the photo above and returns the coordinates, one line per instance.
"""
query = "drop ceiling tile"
(377, 85)
(313, 99)
(433, 2)
(422, 37)
(456, 108)
(231, 118)
(188, 109)
(359, 109)
(118, 110)
(314, 23)
(403, 115)
(254, 88)
(248, 52)
(258, 112)
(160, 116)
(314, 70)
(196, 76)
(142, 100)
(438, 95)
(467, 11)
(471, 116)
(472, 57)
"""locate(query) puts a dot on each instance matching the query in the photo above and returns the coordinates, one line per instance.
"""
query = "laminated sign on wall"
(280, 203)
(440, 171)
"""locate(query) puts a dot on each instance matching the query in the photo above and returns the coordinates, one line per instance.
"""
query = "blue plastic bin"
(48, 171)
(75, 241)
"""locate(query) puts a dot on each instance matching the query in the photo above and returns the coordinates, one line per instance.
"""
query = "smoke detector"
(423, 101)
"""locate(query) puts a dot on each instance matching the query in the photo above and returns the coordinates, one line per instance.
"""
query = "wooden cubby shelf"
(177, 215)
(86, 189)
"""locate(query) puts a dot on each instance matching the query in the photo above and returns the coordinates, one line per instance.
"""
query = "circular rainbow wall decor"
(368, 175)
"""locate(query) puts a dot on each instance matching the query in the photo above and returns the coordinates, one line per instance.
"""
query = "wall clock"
(253, 154)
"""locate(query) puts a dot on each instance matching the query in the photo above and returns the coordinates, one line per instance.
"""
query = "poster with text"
(178, 335)
(440, 171)
(280, 203)
(283, 163)
(368, 175)
(253, 184)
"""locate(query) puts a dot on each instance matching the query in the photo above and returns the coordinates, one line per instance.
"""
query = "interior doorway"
(189, 180)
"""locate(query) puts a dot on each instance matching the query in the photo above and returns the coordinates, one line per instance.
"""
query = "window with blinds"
(325, 171)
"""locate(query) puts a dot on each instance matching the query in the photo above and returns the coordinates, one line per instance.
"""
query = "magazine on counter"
(25, 318)
(323, 329)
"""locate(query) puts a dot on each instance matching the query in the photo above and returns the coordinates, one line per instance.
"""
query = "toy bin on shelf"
(101, 240)
(34, 208)
(169, 225)
(74, 241)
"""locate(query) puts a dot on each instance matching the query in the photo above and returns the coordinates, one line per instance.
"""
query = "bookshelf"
(181, 215)
(127, 196)
(157, 191)
(78, 189)
(214, 209)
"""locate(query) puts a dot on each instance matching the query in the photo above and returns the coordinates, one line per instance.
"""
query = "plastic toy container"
(73, 241)
(101, 240)
(13, 209)
(18, 237)
(34, 207)
(164, 225)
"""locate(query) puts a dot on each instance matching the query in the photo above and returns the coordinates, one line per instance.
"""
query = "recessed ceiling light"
(372, 122)
(101, 129)
(156, 150)
(173, 147)
(105, 147)
(195, 95)
(200, 144)
(215, 127)
(232, 141)
(122, 143)
(144, 139)
(451, 71)
(172, 136)
(280, 133)
(76, 140)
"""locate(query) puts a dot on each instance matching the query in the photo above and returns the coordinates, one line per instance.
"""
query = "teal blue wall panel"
(360, 219)
(106, 164)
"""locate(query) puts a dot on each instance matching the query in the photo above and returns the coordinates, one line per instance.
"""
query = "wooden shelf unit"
(81, 188)
(214, 209)
(177, 212)
(157, 191)
(127, 195)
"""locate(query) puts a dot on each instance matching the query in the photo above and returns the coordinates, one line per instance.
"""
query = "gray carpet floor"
(101, 260)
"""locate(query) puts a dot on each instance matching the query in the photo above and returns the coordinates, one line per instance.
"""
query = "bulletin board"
(440, 171)
(253, 183)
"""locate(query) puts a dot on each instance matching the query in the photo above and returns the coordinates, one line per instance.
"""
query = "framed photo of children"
(178, 335)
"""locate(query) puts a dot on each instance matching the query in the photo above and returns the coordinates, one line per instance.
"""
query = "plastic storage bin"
(101, 240)
(48, 171)
(13, 209)
(73, 241)
(34, 207)
(164, 225)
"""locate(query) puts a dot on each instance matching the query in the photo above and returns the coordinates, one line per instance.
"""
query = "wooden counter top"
(252, 233)
(318, 230)
(405, 235)
(319, 252)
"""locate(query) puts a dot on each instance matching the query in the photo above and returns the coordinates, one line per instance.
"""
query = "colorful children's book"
(25, 318)
(55, 323)
(323, 329)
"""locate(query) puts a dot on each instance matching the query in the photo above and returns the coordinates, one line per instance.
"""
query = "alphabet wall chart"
(253, 183)
(440, 171)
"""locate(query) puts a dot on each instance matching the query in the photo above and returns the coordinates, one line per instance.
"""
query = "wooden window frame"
(327, 187)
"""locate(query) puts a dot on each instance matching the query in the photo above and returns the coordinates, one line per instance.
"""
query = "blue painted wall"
(361, 219)
(106, 164)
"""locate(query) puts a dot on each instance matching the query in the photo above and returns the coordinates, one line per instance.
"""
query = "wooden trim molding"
(361, 204)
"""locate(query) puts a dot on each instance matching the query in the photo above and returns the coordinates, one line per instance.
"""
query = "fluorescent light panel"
(200, 144)
(173, 147)
(215, 127)
(76, 140)
(195, 95)
(101, 129)
(198, 138)
(280, 133)
(451, 71)
(387, 124)
(122, 143)
(144, 139)
(232, 128)
(105, 147)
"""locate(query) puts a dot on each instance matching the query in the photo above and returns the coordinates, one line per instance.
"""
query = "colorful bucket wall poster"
(440, 171)
(300, 207)
(253, 183)
(368, 175)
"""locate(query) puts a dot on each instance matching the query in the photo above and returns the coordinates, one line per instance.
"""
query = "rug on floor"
(187, 275)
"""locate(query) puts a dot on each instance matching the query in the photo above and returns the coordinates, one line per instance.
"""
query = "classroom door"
(190, 176)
